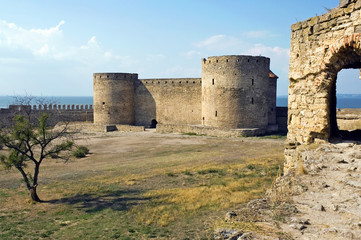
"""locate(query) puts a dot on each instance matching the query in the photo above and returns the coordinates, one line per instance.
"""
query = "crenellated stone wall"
(58, 113)
(320, 47)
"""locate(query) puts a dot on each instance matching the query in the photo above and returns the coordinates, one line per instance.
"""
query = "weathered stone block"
(357, 5)
(344, 3)
(357, 29)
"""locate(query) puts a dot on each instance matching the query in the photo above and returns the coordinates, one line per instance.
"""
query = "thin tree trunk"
(34, 196)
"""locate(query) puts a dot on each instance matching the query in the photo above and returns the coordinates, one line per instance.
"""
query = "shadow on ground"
(91, 202)
(351, 135)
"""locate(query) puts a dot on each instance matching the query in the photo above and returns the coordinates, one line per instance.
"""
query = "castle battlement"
(236, 59)
(171, 81)
(51, 107)
(114, 76)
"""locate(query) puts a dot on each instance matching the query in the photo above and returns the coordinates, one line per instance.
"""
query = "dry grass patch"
(141, 187)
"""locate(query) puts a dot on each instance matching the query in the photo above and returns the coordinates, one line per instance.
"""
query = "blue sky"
(54, 47)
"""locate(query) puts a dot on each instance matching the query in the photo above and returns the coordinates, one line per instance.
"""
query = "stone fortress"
(236, 93)
(320, 47)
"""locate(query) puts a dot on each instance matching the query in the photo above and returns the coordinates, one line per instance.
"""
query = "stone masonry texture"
(320, 47)
(234, 92)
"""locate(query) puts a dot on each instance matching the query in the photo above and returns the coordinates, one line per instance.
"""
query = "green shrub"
(80, 152)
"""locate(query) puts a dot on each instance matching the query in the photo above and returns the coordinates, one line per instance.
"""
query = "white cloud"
(260, 49)
(223, 45)
(92, 43)
(48, 32)
(279, 56)
(219, 42)
(40, 42)
(50, 43)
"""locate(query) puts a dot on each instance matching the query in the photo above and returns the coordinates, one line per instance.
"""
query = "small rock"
(355, 226)
(246, 236)
(325, 185)
(230, 215)
(334, 207)
(298, 226)
(319, 207)
(229, 234)
(334, 168)
(342, 161)
(301, 221)
(330, 230)
(352, 169)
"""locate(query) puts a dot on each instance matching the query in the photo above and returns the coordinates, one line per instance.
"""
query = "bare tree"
(30, 139)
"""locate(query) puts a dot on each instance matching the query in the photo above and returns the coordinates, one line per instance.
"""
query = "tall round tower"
(114, 98)
(235, 91)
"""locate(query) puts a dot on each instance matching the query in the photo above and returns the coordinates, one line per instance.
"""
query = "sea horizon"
(343, 100)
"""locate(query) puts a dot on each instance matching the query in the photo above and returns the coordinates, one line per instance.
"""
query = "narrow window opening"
(252, 81)
(213, 81)
(252, 101)
(216, 113)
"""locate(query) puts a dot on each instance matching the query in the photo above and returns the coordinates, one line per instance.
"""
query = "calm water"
(343, 100)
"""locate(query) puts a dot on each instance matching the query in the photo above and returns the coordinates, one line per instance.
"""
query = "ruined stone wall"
(168, 101)
(235, 91)
(114, 98)
(320, 47)
(57, 113)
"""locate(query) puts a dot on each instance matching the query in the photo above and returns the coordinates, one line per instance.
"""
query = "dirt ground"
(160, 186)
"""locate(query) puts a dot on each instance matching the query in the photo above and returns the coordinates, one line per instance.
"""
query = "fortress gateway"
(234, 93)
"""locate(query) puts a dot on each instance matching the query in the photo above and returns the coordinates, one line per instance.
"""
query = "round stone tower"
(235, 91)
(114, 98)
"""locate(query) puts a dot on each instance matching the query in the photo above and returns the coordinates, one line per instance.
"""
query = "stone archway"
(343, 54)
(320, 47)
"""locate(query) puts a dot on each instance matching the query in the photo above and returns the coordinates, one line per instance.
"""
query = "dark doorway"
(153, 123)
